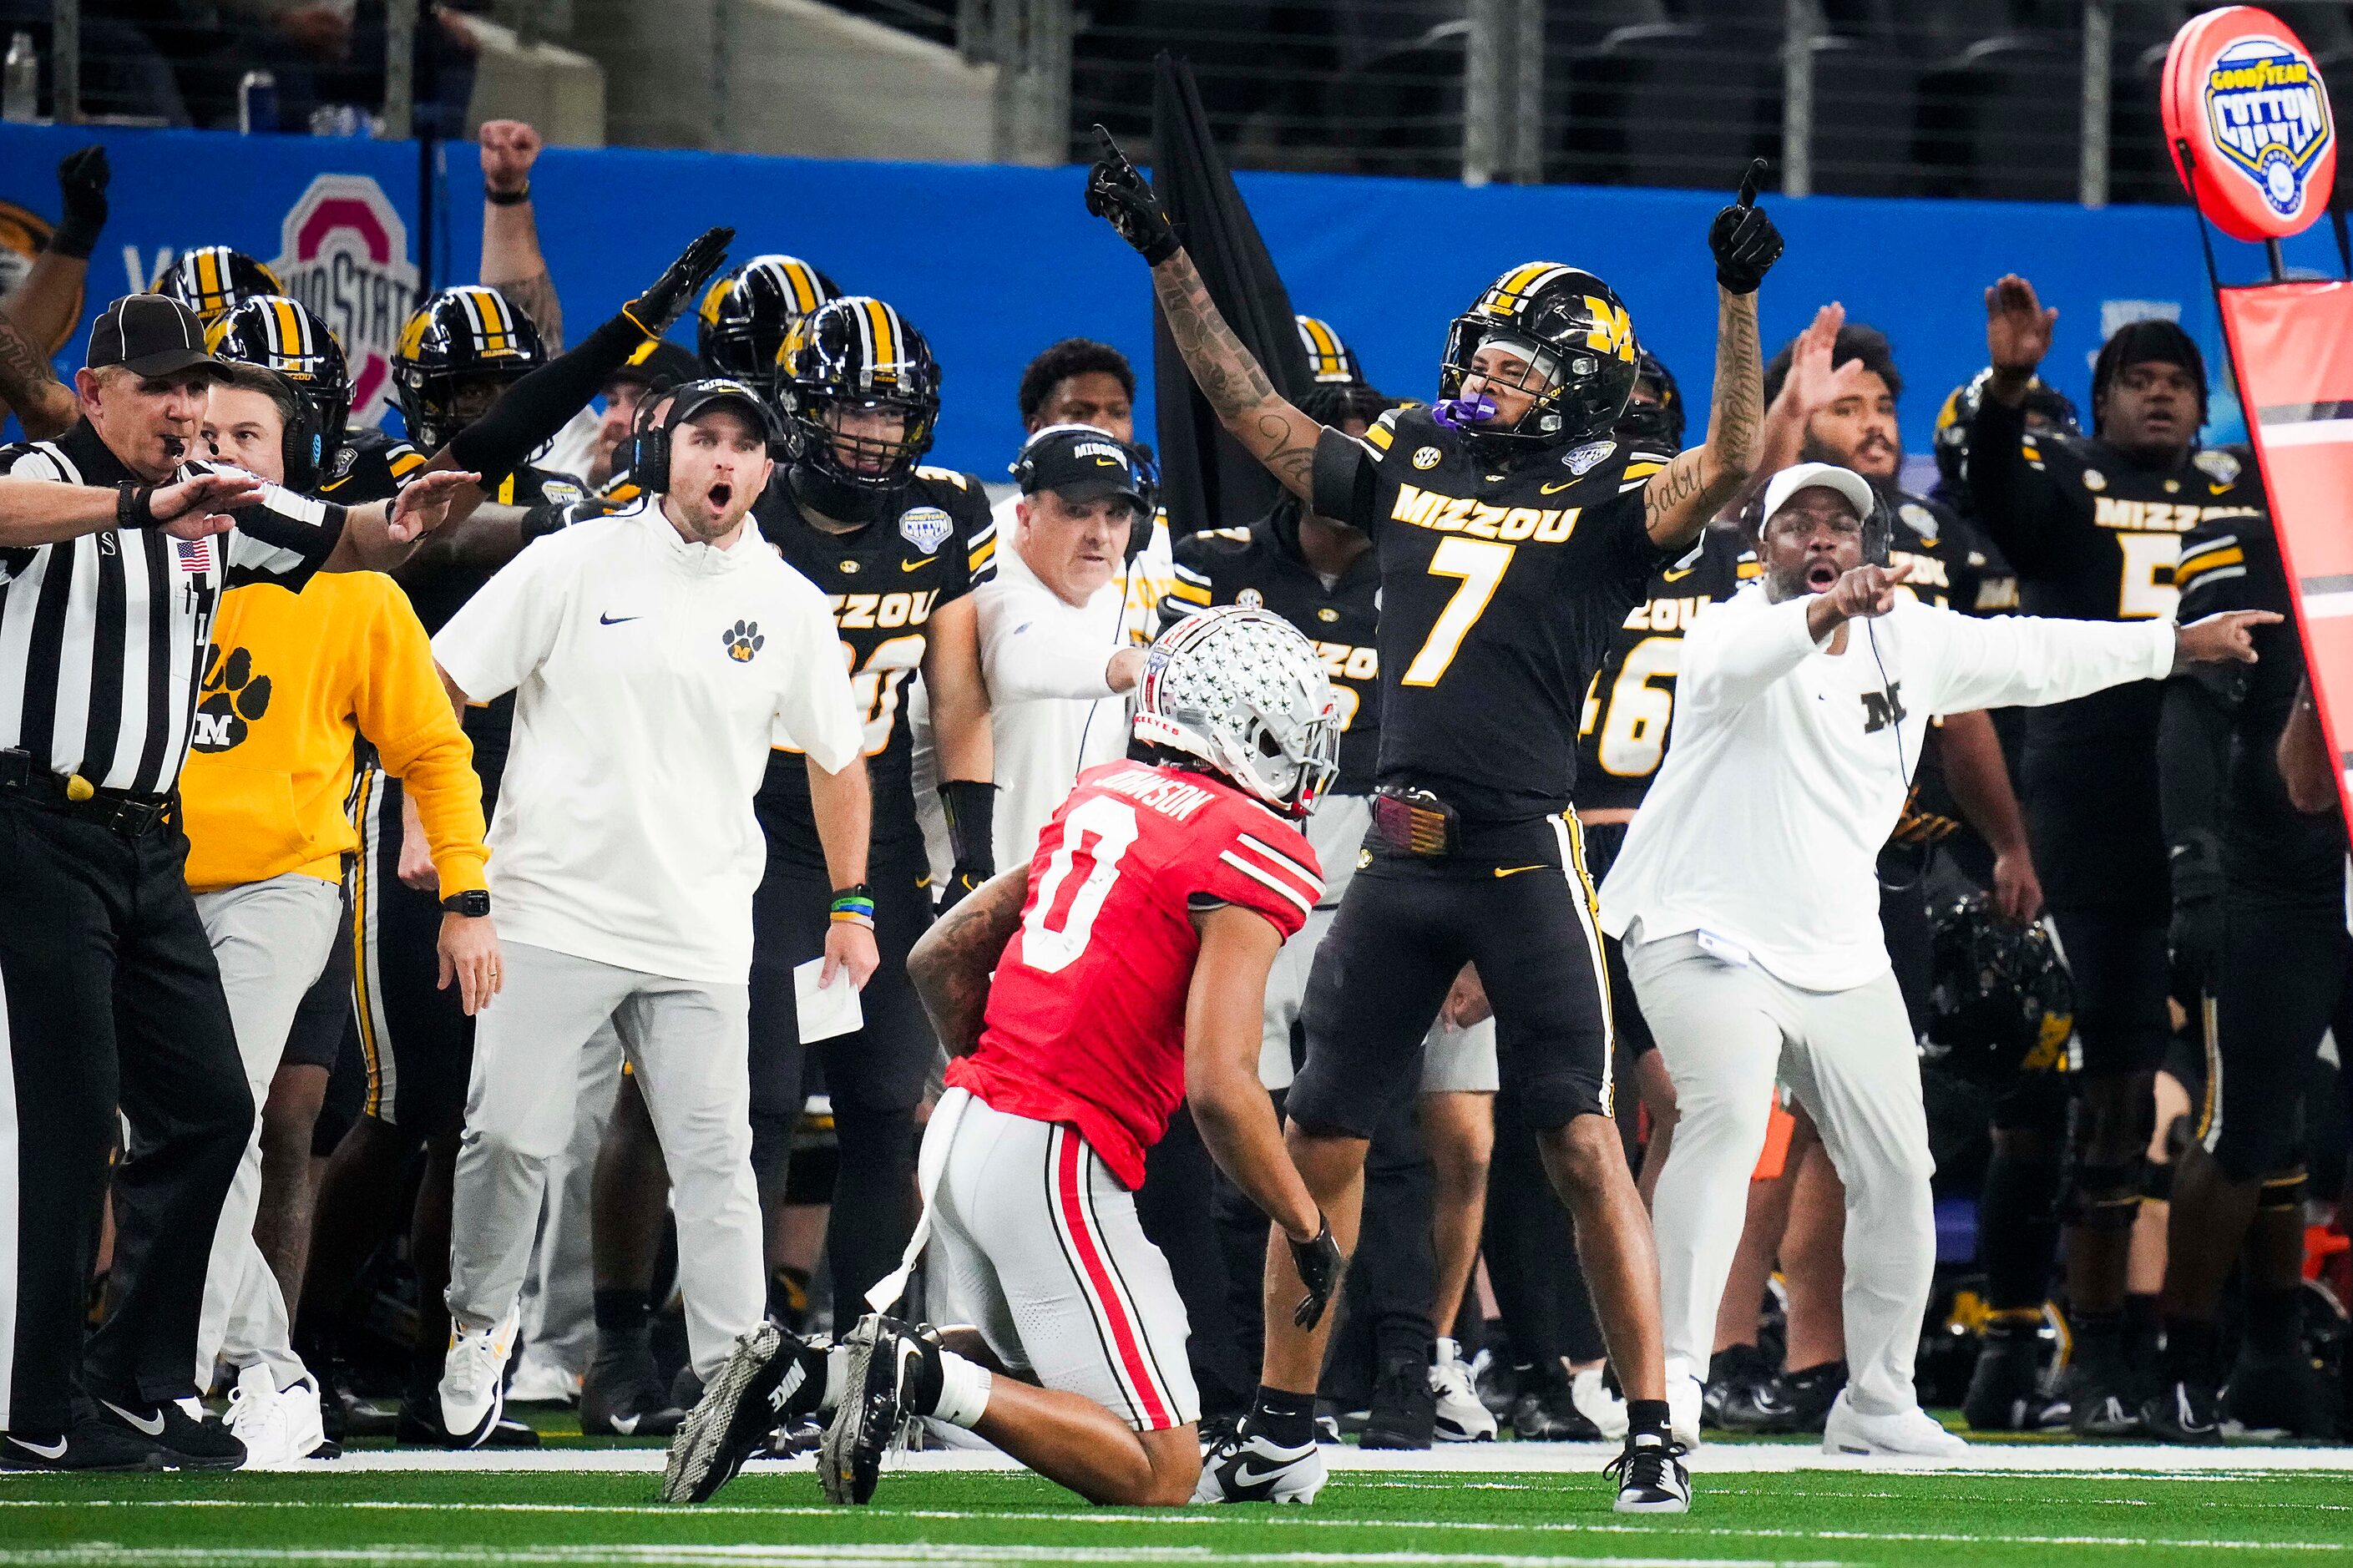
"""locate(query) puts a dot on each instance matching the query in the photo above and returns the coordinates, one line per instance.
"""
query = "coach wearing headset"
(1059, 644)
(1747, 899)
(655, 654)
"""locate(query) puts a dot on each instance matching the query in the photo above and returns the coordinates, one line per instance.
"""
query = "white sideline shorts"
(1035, 1243)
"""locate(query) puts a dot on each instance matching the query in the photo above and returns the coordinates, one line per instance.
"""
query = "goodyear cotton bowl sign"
(2242, 91)
(344, 251)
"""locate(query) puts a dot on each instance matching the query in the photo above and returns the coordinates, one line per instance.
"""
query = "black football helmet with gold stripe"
(1338, 395)
(1577, 340)
(460, 336)
(747, 315)
(281, 336)
(211, 277)
(1657, 420)
(847, 375)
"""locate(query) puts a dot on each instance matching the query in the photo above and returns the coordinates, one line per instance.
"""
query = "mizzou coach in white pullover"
(1748, 902)
(655, 656)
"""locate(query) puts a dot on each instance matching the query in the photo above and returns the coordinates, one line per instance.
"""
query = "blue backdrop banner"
(992, 264)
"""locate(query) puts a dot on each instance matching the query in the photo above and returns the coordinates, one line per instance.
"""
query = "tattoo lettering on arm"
(952, 964)
(1684, 495)
(44, 406)
(1275, 432)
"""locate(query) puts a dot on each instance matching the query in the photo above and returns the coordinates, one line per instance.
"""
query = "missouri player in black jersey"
(1514, 530)
(747, 316)
(2265, 886)
(2092, 526)
(209, 278)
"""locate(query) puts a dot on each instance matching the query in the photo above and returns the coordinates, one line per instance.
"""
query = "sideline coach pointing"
(113, 555)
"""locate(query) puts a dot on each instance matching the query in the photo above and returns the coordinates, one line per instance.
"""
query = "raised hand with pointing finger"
(1743, 238)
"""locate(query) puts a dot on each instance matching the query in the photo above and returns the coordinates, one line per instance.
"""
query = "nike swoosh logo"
(1679, 576)
(56, 1450)
(1246, 1477)
(151, 1425)
(626, 1425)
(917, 565)
(1553, 490)
(1516, 870)
(2218, 490)
(1107, 463)
(613, 620)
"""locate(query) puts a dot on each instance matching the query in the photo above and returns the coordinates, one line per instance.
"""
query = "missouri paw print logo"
(743, 640)
(233, 698)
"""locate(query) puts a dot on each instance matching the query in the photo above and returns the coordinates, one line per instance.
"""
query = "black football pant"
(2282, 982)
(113, 1000)
(1385, 1300)
(1540, 1289)
(874, 1074)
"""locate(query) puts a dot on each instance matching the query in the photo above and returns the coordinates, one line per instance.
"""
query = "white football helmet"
(1242, 691)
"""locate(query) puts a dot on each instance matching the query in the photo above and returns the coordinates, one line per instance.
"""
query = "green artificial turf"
(932, 1520)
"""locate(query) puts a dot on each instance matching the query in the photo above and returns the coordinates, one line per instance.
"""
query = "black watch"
(474, 903)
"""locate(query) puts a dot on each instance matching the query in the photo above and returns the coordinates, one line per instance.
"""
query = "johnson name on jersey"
(885, 581)
(1622, 736)
(1086, 1013)
(1261, 566)
(1501, 585)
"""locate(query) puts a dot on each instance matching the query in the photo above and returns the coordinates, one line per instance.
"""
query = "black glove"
(2195, 933)
(1117, 194)
(1743, 239)
(1320, 1267)
(660, 305)
(81, 181)
(971, 809)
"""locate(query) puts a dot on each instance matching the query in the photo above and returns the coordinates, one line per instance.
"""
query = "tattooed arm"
(1682, 497)
(511, 263)
(29, 385)
(952, 963)
(1269, 427)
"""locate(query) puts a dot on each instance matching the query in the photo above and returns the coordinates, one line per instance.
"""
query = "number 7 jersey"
(1086, 1014)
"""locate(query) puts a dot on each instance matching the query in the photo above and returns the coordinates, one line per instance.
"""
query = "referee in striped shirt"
(114, 550)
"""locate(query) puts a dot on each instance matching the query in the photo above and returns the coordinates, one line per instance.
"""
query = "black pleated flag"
(1207, 479)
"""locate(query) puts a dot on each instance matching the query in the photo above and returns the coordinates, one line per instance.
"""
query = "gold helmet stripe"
(1503, 298)
(212, 286)
(801, 280)
(883, 330)
(292, 339)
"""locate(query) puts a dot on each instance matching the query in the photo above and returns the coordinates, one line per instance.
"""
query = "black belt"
(132, 815)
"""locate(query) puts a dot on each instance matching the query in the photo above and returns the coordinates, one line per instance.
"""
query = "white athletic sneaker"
(1907, 1434)
(1245, 1467)
(1684, 1392)
(473, 1396)
(1460, 1418)
(258, 1418)
(1599, 1403)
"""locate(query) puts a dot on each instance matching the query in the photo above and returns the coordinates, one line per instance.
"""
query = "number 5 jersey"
(1086, 1014)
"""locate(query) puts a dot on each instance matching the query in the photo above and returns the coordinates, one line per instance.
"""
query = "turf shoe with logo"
(622, 1395)
(1807, 1393)
(1907, 1433)
(1549, 1415)
(1735, 1375)
(2006, 1391)
(181, 1430)
(2184, 1412)
(1249, 1467)
(1459, 1415)
(92, 1445)
(880, 1388)
(2102, 1404)
(472, 1393)
(1404, 1410)
(1650, 1476)
(280, 1427)
(772, 1381)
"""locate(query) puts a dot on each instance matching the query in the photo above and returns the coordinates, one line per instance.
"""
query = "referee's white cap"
(1817, 476)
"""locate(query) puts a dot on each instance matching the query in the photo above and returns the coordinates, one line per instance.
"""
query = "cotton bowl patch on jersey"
(926, 528)
(1581, 460)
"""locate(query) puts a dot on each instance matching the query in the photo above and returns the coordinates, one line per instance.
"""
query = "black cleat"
(92, 1445)
(2102, 1403)
(1650, 1476)
(1404, 1413)
(878, 1394)
(1551, 1415)
(622, 1396)
(1735, 1374)
(2275, 1398)
(2188, 1412)
(185, 1441)
(1807, 1396)
(2007, 1392)
(772, 1382)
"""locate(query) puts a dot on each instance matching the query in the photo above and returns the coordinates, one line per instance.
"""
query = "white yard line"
(927, 1555)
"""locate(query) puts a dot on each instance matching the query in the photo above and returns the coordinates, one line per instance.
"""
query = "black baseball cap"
(660, 364)
(1079, 463)
(149, 334)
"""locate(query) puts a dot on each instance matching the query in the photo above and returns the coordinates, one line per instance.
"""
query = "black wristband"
(971, 810)
(134, 505)
(507, 198)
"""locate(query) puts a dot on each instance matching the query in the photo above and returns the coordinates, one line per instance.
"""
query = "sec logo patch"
(1427, 458)
(1250, 598)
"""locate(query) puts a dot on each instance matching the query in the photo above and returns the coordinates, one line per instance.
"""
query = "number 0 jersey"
(1633, 700)
(885, 581)
(1501, 585)
(1086, 1014)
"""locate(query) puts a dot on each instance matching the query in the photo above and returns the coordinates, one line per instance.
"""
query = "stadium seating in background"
(2001, 121)
(1674, 103)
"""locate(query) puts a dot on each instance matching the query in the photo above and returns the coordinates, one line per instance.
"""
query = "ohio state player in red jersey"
(1129, 964)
